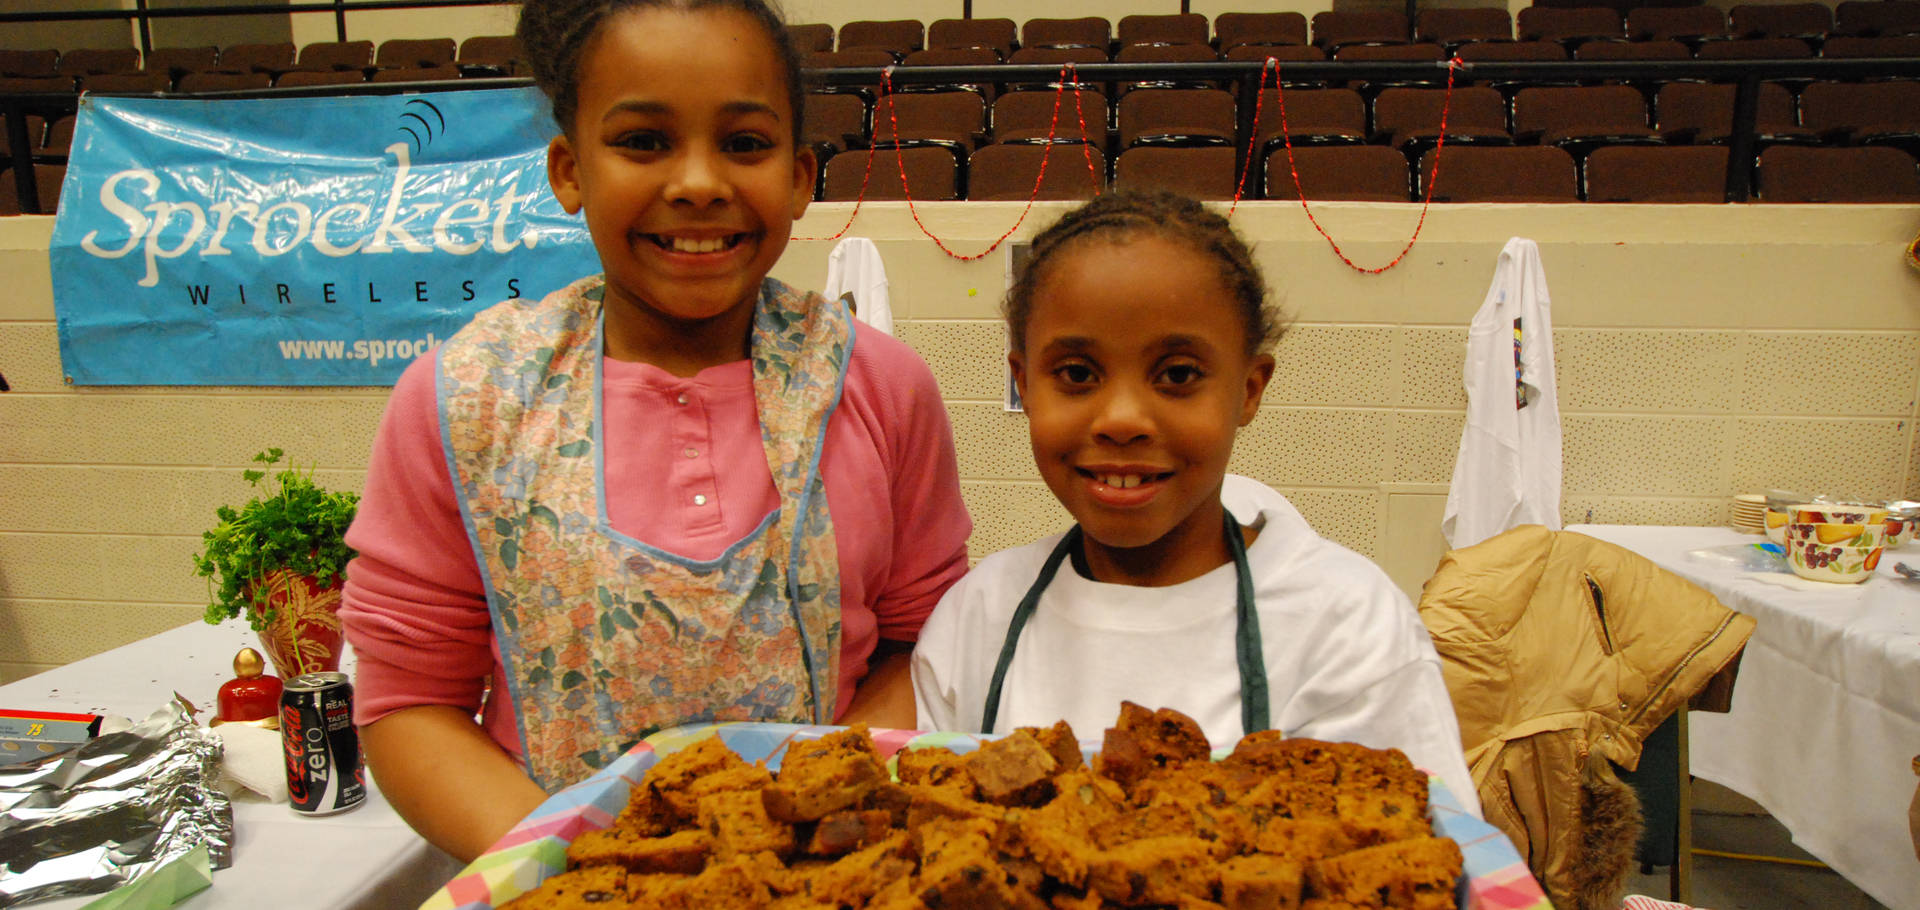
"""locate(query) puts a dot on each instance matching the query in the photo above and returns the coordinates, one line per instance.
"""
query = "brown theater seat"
(490, 55)
(898, 37)
(1362, 173)
(1683, 23)
(1408, 119)
(274, 57)
(1657, 174)
(1780, 20)
(834, 123)
(31, 63)
(1162, 28)
(308, 78)
(1054, 56)
(956, 119)
(1581, 118)
(810, 36)
(1453, 27)
(998, 35)
(36, 84)
(1085, 31)
(126, 82)
(1521, 173)
(931, 174)
(59, 135)
(322, 56)
(46, 182)
(98, 61)
(1334, 29)
(1008, 172)
(953, 56)
(193, 83)
(1512, 50)
(1390, 52)
(1791, 173)
(1862, 112)
(1233, 30)
(178, 61)
(1026, 117)
(1165, 53)
(1655, 49)
(1203, 173)
(1330, 116)
(1284, 54)
(414, 53)
(1569, 26)
(1842, 47)
(1755, 49)
(1873, 18)
(1178, 117)
(446, 73)
(1701, 112)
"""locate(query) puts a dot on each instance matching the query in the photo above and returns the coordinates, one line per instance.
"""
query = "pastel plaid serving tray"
(1496, 878)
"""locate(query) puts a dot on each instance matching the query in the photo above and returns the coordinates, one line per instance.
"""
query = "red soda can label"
(324, 771)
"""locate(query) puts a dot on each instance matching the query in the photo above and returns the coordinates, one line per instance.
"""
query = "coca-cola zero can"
(324, 773)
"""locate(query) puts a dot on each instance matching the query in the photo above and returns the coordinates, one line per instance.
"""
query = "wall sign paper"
(299, 241)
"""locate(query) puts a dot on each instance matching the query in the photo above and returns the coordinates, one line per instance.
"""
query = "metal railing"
(1245, 77)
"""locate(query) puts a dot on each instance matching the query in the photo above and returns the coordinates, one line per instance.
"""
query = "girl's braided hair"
(554, 34)
(1123, 214)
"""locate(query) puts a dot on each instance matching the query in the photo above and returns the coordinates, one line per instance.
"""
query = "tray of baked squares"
(792, 816)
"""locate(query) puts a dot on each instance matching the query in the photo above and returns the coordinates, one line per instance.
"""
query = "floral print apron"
(606, 639)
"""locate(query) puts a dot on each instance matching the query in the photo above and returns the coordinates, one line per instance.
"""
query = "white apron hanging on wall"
(1508, 472)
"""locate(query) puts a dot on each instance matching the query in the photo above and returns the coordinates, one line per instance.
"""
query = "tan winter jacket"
(1560, 650)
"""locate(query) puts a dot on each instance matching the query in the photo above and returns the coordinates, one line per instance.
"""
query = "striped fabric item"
(1643, 902)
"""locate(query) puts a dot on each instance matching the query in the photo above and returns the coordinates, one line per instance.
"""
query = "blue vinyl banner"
(299, 241)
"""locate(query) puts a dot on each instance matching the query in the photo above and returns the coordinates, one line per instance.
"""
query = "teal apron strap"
(1246, 637)
(1021, 614)
(1254, 712)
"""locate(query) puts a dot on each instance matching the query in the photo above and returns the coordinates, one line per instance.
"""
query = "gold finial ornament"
(248, 664)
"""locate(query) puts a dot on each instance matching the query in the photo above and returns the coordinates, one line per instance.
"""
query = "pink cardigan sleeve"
(414, 609)
(929, 520)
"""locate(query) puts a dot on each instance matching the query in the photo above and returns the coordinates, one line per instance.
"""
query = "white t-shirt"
(1508, 471)
(1347, 658)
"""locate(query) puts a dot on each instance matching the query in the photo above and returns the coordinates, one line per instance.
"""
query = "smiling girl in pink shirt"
(677, 491)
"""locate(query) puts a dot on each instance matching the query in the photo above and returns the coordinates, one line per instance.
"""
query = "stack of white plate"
(1750, 513)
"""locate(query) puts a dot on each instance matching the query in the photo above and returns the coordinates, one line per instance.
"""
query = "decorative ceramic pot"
(303, 635)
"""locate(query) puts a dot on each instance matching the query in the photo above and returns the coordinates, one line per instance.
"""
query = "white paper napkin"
(254, 761)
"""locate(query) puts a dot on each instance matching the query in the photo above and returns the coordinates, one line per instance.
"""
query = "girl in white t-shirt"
(1139, 332)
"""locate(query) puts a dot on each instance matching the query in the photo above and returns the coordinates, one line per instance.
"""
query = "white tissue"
(254, 760)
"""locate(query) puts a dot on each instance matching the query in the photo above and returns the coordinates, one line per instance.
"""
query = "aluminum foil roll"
(98, 816)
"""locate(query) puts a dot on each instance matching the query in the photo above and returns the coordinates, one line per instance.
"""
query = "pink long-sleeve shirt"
(686, 472)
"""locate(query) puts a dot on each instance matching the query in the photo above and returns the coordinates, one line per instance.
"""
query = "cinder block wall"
(1703, 351)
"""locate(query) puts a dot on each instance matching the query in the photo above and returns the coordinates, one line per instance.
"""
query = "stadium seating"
(1618, 136)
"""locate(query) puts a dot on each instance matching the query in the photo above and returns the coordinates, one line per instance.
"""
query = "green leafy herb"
(295, 525)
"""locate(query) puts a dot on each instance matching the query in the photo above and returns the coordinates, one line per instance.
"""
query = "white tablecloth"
(1826, 707)
(363, 858)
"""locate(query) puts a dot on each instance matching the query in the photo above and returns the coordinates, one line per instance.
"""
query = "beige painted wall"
(1703, 351)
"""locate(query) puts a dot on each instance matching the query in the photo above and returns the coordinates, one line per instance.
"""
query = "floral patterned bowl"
(1900, 530)
(1823, 552)
(1837, 513)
